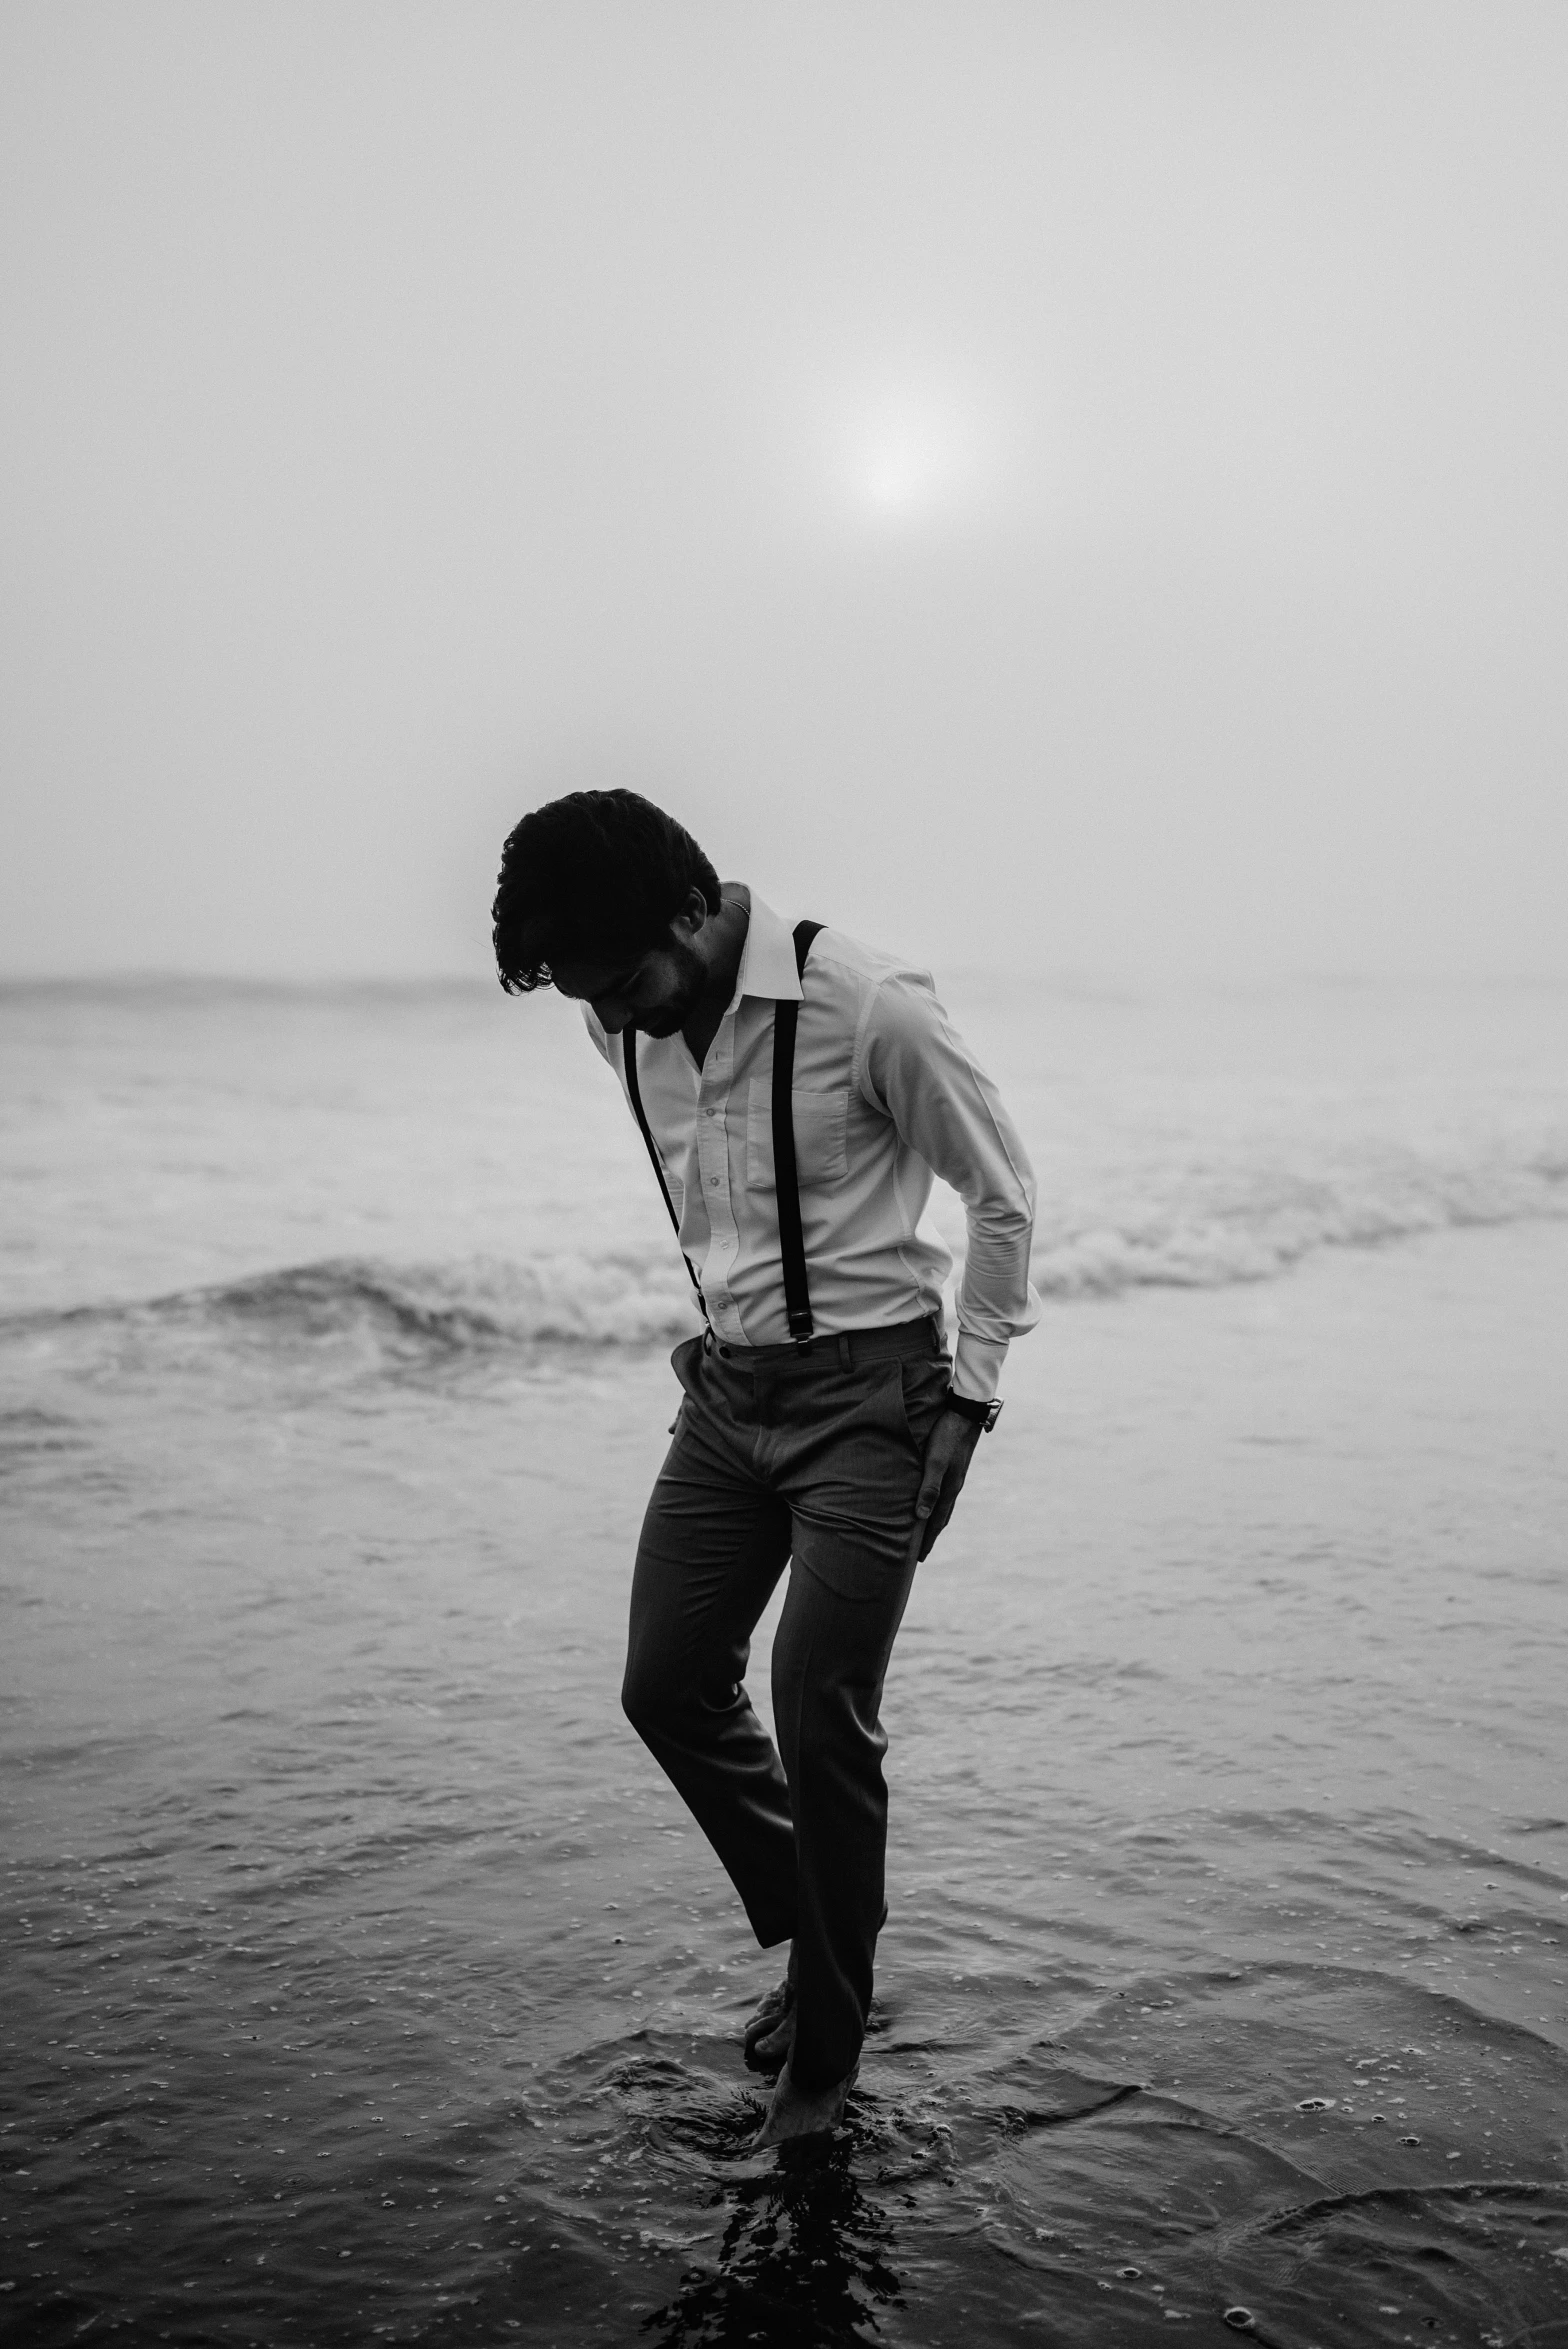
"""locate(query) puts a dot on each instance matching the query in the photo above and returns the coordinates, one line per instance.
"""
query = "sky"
(1081, 489)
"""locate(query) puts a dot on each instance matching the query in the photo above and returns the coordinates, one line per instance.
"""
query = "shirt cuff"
(977, 1366)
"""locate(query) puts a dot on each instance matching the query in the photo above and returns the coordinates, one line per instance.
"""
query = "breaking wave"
(1208, 1232)
(414, 1309)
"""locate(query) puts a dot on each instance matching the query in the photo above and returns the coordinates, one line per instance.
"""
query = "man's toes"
(763, 2024)
(767, 2016)
(772, 2049)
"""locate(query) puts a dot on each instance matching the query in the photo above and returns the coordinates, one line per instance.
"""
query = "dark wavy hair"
(596, 877)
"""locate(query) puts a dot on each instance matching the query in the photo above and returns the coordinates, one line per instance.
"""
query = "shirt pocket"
(821, 1122)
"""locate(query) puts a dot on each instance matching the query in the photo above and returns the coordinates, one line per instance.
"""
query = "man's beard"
(690, 980)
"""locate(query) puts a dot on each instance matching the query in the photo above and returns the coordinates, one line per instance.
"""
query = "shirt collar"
(767, 962)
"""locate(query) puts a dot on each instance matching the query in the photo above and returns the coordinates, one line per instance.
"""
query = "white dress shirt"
(884, 1095)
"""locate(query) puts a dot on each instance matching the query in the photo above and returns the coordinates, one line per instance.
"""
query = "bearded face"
(658, 993)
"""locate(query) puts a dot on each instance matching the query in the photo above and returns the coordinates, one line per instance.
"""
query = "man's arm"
(922, 1074)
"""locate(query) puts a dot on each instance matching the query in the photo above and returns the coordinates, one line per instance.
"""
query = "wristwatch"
(984, 1415)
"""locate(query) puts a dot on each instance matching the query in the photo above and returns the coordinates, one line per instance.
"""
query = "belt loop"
(846, 1355)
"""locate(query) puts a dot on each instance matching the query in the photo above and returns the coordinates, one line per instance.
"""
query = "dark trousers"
(814, 1458)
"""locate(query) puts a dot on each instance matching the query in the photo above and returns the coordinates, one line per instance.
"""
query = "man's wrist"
(970, 1407)
(978, 1364)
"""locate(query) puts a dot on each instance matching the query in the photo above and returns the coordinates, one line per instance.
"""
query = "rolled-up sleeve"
(917, 1069)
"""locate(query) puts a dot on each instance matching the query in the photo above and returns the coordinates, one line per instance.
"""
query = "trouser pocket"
(923, 1385)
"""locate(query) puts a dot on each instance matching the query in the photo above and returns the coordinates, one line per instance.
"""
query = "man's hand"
(948, 1454)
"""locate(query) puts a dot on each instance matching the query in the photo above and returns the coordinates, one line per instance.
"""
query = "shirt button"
(710, 1113)
(713, 1182)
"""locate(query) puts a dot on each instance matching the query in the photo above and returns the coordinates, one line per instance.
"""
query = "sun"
(917, 454)
(908, 467)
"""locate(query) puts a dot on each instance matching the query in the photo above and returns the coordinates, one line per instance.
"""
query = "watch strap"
(983, 1415)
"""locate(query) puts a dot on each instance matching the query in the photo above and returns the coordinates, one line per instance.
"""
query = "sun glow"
(915, 457)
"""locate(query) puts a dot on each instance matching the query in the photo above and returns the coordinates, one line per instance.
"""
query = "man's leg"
(714, 1543)
(850, 1442)
(830, 1658)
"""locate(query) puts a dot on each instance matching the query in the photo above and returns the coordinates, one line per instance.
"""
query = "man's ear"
(693, 917)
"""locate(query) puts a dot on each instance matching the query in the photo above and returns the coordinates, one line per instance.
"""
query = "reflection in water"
(805, 2256)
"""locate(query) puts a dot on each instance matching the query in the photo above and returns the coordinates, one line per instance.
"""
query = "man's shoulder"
(867, 968)
(875, 993)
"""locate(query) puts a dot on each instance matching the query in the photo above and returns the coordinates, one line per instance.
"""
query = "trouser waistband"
(840, 1349)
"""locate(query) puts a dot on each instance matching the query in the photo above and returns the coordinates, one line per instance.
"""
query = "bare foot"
(770, 2050)
(770, 2032)
(802, 2112)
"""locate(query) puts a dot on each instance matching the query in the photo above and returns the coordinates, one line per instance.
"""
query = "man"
(822, 1421)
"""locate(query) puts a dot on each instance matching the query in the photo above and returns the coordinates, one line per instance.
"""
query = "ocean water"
(364, 1980)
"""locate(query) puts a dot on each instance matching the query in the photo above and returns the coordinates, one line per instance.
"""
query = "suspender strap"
(634, 1090)
(792, 1246)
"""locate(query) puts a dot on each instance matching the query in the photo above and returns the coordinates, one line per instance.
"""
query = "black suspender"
(792, 1246)
(629, 1057)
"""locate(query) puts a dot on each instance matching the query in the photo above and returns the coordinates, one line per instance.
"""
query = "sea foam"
(1210, 1230)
